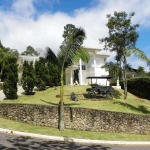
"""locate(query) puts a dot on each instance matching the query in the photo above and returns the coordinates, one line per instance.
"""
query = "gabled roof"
(96, 51)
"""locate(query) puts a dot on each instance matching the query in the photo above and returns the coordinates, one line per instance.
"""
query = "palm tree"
(70, 51)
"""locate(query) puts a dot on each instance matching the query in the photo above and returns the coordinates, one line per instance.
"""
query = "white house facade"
(90, 69)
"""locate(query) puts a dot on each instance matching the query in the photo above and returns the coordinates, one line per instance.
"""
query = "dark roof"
(99, 77)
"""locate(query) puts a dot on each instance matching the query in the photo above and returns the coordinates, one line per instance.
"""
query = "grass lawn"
(133, 104)
(13, 125)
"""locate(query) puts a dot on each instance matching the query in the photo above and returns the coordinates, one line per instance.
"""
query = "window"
(83, 67)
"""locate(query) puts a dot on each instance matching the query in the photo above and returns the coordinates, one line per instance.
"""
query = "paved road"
(11, 142)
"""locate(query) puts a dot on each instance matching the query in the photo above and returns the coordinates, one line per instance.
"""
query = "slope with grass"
(133, 104)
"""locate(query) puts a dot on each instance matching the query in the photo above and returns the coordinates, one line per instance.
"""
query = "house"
(90, 69)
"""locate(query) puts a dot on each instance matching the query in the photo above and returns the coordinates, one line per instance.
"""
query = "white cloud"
(23, 8)
(135, 63)
(18, 29)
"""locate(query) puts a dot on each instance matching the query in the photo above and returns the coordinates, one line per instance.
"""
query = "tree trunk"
(125, 78)
(119, 70)
(61, 115)
(61, 106)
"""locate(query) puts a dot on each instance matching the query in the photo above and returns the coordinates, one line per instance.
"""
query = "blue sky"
(40, 23)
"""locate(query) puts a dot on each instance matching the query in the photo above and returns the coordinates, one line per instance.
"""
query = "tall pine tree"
(11, 78)
(28, 78)
(54, 74)
(41, 74)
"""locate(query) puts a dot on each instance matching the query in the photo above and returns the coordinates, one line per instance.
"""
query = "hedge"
(139, 87)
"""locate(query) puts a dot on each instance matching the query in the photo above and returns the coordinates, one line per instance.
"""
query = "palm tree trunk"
(61, 105)
(125, 77)
(61, 115)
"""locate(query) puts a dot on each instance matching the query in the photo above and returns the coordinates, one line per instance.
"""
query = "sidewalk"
(66, 139)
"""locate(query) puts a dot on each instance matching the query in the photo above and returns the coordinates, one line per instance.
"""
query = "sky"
(40, 23)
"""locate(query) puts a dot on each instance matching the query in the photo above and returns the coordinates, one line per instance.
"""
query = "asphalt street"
(13, 142)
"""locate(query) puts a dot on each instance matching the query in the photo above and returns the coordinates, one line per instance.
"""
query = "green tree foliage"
(11, 78)
(122, 40)
(28, 78)
(54, 74)
(48, 77)
(7, 50)
(51, 57)
(3, 59)
(54, 68)
(140, 70)
(8, 71)
(113, 68)
(5, 53)
(14, 52)
(30, 51)
(41, 74)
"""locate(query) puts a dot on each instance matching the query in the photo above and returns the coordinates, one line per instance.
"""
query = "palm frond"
(81, 53)
(71, 45)
(140, 54)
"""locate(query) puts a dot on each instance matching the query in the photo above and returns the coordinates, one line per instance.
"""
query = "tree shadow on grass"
(58, 103)
(24, 93)
(141, 108)
(92, 98)
(27, 143)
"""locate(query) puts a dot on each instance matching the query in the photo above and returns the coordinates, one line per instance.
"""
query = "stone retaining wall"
(77, 118)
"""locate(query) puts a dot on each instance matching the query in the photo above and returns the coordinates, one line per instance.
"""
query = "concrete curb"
(65, 139)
